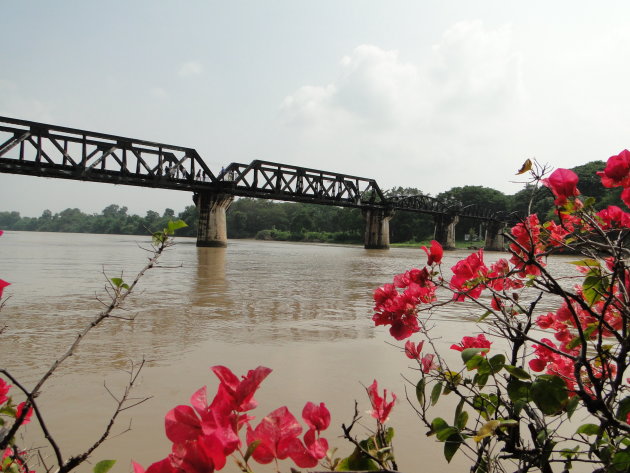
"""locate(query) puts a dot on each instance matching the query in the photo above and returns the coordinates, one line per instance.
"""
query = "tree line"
(265, 219)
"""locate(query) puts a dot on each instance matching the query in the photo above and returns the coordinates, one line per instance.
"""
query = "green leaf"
(175, 225)
(451, 445)
(444, 434)
(389, 435)
(517, 372)
(569, 452)
(468, 353)
(438, 424)
(572, 406)
(621, 462)
(482, 318)
(594, 286)
(461, 420)
(250, 449)
(623, 409)
(589, 262)
(103, 466)
(481, 379)
(485, 404)
(588, 331)
(497, 362)
(519, 390)
(158, 238)
(549, 393)
(357, 462)
(435, 393)
(420, 391)
(474, 362)
(117, 282)
(458, 409)
(452, 379)
(588, 429)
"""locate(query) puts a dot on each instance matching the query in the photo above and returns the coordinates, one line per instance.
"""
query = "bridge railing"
(286, 182)
(53, 151)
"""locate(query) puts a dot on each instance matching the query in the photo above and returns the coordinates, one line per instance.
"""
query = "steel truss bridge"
(39, 149)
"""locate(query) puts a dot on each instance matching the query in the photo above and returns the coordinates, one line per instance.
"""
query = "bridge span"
(39, 149)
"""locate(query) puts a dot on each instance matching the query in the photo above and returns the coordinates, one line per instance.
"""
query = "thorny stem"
(118, 297)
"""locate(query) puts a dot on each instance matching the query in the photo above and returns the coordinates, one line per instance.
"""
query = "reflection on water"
(304, 310)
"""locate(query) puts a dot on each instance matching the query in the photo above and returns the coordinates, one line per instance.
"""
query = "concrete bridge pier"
(445, 230)
(212, 227)
(494, 236)
(376, 235)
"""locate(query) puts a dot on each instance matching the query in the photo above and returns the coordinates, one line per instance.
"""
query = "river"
(303, 310)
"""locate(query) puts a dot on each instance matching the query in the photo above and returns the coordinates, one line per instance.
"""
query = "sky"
(424, 94)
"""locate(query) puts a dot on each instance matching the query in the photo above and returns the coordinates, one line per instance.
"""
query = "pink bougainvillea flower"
(4, 390)
(427, 363)
(278, 435)
(613, 217)
(526, 246)
(617, 171)
(563, 184)
(414, 350)
(468, 277)
(163, 466)
(182, 424)
(380, 407)
(1, 232)
(480, 341)
(435, 253)
(316, 417)
(625, 196)
(3, 284)
(20, 409)
(241, 392)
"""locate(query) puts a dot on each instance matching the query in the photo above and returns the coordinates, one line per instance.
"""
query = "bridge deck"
(40, 149)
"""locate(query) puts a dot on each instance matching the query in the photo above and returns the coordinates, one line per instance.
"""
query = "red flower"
(617, 171)
(413, 350)
(4, 390)
(278, 436)
(479, 341)
(163, 466)
(625, 196)
(435, 253)
(20, 409)
(316, 417)
(427, 363)
(3, 284)
(467, 276)
(562, 183)
(241, 393)
(380, 407)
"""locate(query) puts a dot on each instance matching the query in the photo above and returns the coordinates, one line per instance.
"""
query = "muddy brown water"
(302, 310)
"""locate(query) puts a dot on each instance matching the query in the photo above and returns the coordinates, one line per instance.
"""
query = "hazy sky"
(426, 94)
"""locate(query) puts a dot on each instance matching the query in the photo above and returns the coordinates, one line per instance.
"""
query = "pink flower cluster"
(11, 459)
(399, 309)
(617, 174)
(204, 435)
(380, 407)
(414, 352)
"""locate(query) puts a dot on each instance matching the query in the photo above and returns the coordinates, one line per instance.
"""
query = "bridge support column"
(212, 227)
(494, 237)
(445, 230)
(376, 228)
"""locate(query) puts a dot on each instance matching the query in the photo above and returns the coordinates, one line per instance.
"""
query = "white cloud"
(190, 68)
(460, 106)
